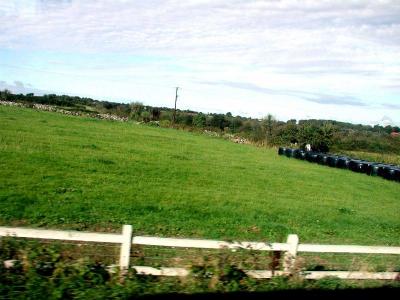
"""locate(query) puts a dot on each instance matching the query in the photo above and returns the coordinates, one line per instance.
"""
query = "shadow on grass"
(371, 293)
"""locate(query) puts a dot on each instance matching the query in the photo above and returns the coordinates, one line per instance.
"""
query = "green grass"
(67, 172)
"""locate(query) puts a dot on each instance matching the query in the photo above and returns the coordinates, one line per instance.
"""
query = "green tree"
(155, 113)
(235, 124)
(145, 116)
(136, 109)
(320, 137)
(288, 133)
(268, 124)
(188, 119)
(5, 95)
(199, 120)
(219, 121)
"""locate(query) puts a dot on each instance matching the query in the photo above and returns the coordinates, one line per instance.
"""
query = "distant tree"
(288, 133)
(5, 95)
(155, 113)
(268, 124)
(326, 136)
(320, 137)
(136, 109)
(145, 116)
(257, 133)
(246, 126)
(199, 120)
(235, 124)
(219, 121)
(378, 128)
(166, 115)
(184, 118)
(187, 119)
(388, 129)
(121, 110)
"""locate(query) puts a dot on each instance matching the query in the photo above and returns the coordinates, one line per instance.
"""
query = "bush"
(165, 123)
(199, 120)
(145, 116)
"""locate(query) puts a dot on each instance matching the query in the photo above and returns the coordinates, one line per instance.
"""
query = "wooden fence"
(290, 249)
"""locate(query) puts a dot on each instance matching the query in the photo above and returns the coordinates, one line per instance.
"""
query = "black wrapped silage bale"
(376, 169)
(289, 152)
(332, 161)
(312, 156)
(361, 167)
(343, 162)
(296, 153)
(322, 158)
(365, 167)
(355, 165)
(368, 166)
(397, 174)
(300, 154)
(281, 150)
(308, 156)
(382, 171)
(389, 172)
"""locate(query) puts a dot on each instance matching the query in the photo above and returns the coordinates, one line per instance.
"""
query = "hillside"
(79, 173)
(360, 141)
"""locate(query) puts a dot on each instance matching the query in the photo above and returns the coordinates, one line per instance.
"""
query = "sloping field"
(74, 173)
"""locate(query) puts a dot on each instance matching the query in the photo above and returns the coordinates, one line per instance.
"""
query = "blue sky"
(294, 59)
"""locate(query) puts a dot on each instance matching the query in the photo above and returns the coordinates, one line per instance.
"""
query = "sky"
(321, 59)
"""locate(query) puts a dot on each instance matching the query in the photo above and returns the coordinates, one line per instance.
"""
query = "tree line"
(323, 135)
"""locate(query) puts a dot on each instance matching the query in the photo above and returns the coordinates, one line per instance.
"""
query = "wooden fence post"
(291, 253)
(125, 247)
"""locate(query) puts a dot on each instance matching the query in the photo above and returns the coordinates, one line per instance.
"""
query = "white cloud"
(19, 87)
(333, 48)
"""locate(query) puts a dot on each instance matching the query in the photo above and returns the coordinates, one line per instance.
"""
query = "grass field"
(67, 172)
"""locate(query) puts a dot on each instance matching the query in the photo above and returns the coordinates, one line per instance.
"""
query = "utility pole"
(176, 98)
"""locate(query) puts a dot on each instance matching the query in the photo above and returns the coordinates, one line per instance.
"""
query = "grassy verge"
(48, 272)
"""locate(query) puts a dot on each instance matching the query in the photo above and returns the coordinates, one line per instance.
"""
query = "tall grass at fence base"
(43, 273)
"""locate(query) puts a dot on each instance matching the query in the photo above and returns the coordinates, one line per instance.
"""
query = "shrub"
(199, 120)
(165, 123)
(145, 116)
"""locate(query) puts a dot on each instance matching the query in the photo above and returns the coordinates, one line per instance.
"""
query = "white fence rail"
(290, 248)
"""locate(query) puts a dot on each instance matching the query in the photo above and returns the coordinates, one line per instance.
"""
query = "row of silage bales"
(343, 162)
(387, 171)
(332, 161)
(322, 158)
(311, 156)
(390, 172)
(300, 154)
